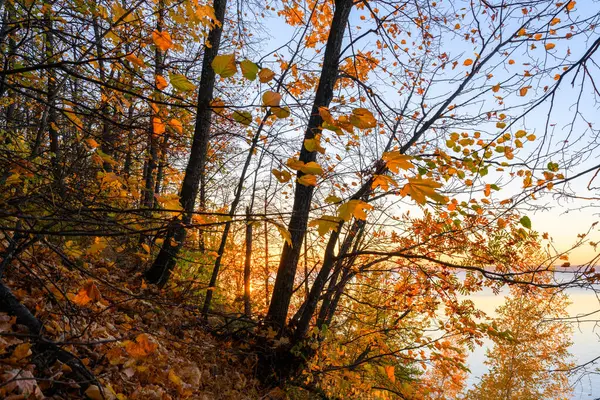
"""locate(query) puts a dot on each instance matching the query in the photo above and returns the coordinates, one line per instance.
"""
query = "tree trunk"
(149, 179)
(247, 264)
(160, 270)
(107, 142)
(286, 273)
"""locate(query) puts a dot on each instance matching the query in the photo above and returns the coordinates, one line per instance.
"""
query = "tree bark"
(150, 179)
(247, 264)
(161, 269)
(286, 272)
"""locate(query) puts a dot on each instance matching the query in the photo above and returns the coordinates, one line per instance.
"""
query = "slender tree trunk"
(161, 269)
(247, 264)
(286, 273)
(161, 165)
(150, 179)
(107, 142)
(267, 272)
(52, 117)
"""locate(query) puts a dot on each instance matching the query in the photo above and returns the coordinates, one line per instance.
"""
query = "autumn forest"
(298, 199)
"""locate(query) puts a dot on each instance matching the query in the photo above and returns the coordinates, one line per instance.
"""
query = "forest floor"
(139, 342)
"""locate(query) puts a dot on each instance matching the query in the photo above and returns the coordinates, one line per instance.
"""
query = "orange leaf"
(271, 99)
(142, 346)
(265, 75)
(158, 126)
(550, 46)
(308, 180)
(176, 125)
(523, 90)
(162, 40)
(160, 82)
(468, 62)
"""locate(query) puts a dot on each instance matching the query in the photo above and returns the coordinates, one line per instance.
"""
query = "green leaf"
(281, 112)
(181, 83)
(526, 222)
(249, 70)
(243, 117)
(224, 65)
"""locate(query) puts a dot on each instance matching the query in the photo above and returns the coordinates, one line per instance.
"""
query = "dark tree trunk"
(286, 273)
(150, 172)
(160, 270)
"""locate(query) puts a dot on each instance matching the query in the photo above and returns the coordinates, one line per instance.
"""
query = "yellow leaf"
(501, 125)
(314, 144)
(312, 168)
(13, 179)
(169, 201)
(354, 208)
(332, 199)
(271, 99)
(160, 82)
(396, 161)
(325, 224)
(176, 125)
(174, 378)
(98, 245)
(218, 106)
(308, 180)
(224, 65)
(295, 164)
(520, 133)
(265, 75)
(362, 118)
(21, 351)
(282, 176)
(285, 234)
(550, 46)
(93, 393)
(162, 40)
(419, 189)
(382, 181)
